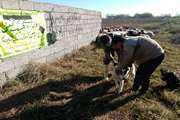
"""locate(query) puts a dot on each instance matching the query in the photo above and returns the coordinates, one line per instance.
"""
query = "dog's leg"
(119, 82)
(116, 80)
(126, 75)
(133, 71)
(121, 86)
(117, 85)
(106, 73)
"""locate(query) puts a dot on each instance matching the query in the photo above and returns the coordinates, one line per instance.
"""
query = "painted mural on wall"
(21, 31)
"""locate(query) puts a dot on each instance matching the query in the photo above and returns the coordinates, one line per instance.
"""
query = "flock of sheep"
(127, 31)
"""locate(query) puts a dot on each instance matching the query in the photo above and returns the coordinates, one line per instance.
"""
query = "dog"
(121, 77)
(172, 79)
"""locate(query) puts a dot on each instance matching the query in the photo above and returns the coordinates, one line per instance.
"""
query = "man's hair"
(117, 38)
(105, 39)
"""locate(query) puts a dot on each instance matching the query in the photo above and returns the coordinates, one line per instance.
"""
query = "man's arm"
(125, 57)
(109, 54)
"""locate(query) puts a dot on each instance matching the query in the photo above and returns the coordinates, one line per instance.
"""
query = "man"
(143, 51)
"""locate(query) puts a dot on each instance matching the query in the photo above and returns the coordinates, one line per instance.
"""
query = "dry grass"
(152, 110)
(73, 88)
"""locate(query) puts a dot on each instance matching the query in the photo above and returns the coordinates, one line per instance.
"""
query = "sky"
(130, 7)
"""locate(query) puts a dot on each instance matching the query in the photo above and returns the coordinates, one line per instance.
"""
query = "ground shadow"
(158, 90)
(83, 104)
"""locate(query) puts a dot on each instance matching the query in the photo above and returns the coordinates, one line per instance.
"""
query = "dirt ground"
(73, 88)
(64, 90)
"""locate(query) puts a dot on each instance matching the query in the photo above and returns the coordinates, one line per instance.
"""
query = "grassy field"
(73, 88)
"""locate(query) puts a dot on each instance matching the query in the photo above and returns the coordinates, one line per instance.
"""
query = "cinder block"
(80, 11)
(76, 45)
(58, 46)
(61, 8)
(20, 60)
(98, 13)
(84, 17)
(80, 37)
(54, 15)
(71, 28)
(71, 9)
(10, 4)
(59, 54)
(12, 74)
(51, 58)
(68, 50)
(47, 51)
(3, 79)
(40, 60)
(39, 53)
(26, 5)
(64, 28)
(6, 65)
(43, 7)
(34, 54)
(47, 16)
(84, 11)
(0, 4)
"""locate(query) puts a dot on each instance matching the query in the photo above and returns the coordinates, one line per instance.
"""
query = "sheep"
(120, 78)
(149, 33)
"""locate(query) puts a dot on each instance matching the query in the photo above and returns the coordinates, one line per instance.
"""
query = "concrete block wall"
(73, 28)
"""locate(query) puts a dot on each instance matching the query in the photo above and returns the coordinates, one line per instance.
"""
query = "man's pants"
(144, 72)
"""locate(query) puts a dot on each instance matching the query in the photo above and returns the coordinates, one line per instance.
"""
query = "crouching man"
(143, 51)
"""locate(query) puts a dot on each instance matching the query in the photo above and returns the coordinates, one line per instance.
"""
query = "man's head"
(109, 40)
(103, 41)
(117, 42)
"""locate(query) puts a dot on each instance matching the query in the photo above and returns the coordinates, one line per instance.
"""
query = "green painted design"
(4, 51)
(42, 42)
(21, 31)
(18, 12)
(8, 31)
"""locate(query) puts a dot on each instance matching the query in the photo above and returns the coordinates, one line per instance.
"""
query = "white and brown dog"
(120, 77)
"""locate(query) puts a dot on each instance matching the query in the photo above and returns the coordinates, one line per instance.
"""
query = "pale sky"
(131, 7)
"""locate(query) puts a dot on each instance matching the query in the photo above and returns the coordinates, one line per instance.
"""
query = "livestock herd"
(127, 31)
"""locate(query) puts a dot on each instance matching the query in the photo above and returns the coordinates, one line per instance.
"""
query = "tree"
(143, 15)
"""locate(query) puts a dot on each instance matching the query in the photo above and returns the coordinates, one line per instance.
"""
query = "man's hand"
(106, 61)
(118, 71)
